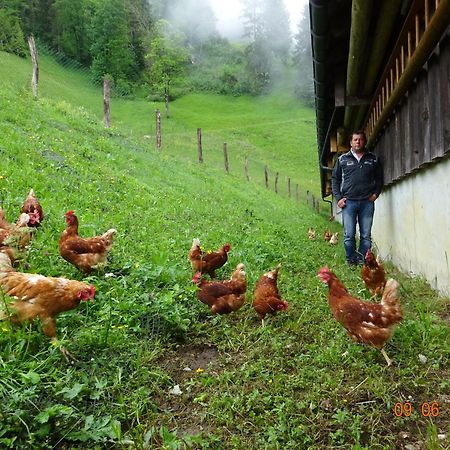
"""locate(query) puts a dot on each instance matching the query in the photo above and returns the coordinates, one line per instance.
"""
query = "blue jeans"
(361, 212)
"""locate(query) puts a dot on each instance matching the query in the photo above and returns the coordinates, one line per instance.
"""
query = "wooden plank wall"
(419, 130)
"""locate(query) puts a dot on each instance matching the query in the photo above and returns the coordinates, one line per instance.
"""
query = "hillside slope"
(296, 383)
(274, 131)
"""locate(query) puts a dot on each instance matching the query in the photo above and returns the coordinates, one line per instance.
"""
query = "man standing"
(357, 181)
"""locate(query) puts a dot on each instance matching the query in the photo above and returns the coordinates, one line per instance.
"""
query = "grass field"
(297, 383)
(274, 131)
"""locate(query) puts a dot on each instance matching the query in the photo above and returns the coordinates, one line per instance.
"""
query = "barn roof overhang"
(359, 69)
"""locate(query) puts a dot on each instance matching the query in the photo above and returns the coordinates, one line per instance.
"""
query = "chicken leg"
(49, 329)
(386, 357)
(67, 355)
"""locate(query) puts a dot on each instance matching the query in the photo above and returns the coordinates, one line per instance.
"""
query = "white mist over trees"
(303, 60)
(266, 25)
(126, 41)
(195, 18)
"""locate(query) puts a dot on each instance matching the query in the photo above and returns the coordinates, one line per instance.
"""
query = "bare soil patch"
(186, 365)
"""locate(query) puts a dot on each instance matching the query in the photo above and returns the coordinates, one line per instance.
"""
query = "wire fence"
(234, 157)
(70, 64)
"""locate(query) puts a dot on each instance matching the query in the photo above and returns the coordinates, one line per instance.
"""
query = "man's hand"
(372, 198)
(341, 202)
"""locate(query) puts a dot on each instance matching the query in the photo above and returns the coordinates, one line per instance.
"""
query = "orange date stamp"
(425, 409)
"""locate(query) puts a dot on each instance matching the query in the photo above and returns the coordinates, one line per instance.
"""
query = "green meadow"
(156, 369)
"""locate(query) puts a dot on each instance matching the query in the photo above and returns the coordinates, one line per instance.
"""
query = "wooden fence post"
(106, 96)
(158, 128)
(289, 187)
(246, 168)
(34, 60)
(266, 176)
(225, 157)
(276, 183)
(199, 145)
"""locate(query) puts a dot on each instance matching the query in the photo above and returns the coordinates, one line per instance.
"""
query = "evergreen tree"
(252, 19)
(111, 50)
(158, 8)
(38, 18)
(276, 29)
(195, 18)
(259, 61)
(139, 27)
(303, 60)
(11, 35)
(266, 25)
(12, 7)
(71, 29)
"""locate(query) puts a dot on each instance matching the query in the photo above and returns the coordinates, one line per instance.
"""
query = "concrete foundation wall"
(412, 225)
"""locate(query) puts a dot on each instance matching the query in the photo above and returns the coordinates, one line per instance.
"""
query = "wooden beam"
(437, 26)
(357, 101)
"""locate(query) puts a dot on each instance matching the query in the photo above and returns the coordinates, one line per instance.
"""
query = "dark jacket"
(357, 180)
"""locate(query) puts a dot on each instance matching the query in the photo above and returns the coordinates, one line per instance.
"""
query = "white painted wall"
(412, 225)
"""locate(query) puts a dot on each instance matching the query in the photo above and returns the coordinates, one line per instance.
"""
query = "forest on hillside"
(165, 48)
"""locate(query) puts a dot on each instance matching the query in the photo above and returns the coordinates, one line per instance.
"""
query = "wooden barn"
(384, 66)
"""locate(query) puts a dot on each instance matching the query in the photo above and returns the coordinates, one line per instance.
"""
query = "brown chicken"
(38, 296)
(208, 262)
(223, 297)
(266, 298)
(84, 253)
(311, 234)
(334, 239)
(372, 273)
(365, 322)
(14, 238)
(32, 207)
(327, 235)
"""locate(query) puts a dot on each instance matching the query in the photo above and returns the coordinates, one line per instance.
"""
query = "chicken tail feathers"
(390, 301)
(109, 234)
(391, 293)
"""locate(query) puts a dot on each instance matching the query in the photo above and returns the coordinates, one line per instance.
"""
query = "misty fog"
(224, 17)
